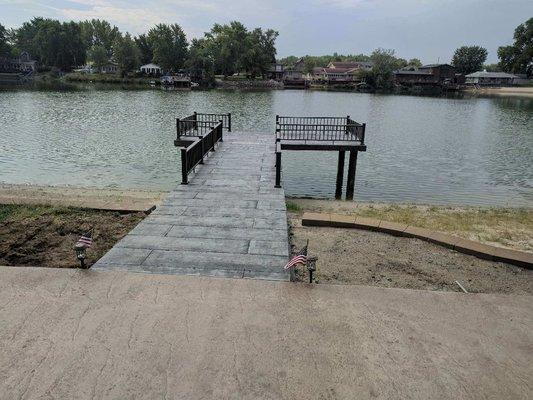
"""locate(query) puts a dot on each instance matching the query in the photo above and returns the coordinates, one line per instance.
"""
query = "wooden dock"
(228, 221)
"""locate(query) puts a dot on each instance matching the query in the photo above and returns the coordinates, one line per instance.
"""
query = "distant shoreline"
(503, 91)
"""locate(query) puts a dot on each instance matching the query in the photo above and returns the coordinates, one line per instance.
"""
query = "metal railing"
(194, 154)
(199, 124)
(319, 129)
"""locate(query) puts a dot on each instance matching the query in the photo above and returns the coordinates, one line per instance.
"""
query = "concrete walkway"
(228, 221)
(73, 334)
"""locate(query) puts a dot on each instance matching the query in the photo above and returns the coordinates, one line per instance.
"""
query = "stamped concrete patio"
(228, 221)
(75, 334)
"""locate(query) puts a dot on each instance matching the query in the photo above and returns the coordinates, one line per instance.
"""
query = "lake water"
(476, 151)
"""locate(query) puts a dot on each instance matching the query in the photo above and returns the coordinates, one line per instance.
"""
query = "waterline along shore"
(508, 227)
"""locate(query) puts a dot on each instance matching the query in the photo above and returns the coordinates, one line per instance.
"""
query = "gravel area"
(352, 256)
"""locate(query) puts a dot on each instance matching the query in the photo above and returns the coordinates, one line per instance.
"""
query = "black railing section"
(199, 124)
(194, 153)
(319, 129)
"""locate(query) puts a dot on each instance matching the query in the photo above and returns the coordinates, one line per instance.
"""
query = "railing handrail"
(194, 154)
(280, 117)
(184, 126)
(356, 124)
(324, 129)
(215, 117)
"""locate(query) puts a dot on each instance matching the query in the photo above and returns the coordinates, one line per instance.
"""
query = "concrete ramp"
(229, 221)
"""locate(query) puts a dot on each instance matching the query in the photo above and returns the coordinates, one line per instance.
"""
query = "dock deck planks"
(229, 221)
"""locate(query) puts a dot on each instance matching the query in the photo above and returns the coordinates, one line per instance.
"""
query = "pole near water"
(350, 185)
(340, 175)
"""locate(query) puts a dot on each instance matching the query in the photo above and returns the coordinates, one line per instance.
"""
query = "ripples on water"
(420, 149)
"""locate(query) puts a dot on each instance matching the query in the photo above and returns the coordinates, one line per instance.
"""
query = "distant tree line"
(224, 50)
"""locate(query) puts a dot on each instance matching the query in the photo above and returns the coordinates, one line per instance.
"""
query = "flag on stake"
(85, 240)
(299, 258)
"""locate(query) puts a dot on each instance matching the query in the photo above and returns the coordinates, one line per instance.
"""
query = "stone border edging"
(480, 250)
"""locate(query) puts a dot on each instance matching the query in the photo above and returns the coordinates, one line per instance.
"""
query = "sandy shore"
(504, 227)
(86, 197)
(504, 91)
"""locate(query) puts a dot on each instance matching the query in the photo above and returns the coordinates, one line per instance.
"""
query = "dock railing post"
(278, 170)
(195, 124)
(221, 127)
(184, 172)
(202, 149)
(278, 165)
(350, 184)
(340, 175)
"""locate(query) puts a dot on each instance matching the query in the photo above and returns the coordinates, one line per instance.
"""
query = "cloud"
(136, 16)
(132, 19)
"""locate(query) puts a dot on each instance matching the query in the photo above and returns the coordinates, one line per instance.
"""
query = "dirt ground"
(353, 256)
(497, 226)
(45, 236)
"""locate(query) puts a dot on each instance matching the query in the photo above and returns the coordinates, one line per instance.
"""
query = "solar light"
(311, 267)
(80, 249)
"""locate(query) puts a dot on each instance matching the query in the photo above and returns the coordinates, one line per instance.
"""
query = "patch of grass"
(293, 207)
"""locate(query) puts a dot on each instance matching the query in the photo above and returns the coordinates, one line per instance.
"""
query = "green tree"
(200, 62)
(126, 54)
(97, 32)
(468, 59)
(169, 46)
(518, 57)
(146, 53)
(385, 63)
(228, 44)
(492, 68)
(24, 37)
(98, 56)
(51, 42)
(415, 62)
(5, 47)
(259, 52)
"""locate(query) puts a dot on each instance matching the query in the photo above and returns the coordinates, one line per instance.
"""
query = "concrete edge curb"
(480, 250)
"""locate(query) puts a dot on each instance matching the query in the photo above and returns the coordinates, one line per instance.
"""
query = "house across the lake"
(151, 69)
(357, 65)
(109, 68)
(484, 78)
(290, 76)
(23, 64)
(431, 74)
(340, 72)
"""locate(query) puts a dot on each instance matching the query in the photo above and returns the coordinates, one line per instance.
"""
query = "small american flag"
(299, 258)
(85, 239)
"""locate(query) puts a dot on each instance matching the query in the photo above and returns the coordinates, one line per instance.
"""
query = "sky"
(426, 29)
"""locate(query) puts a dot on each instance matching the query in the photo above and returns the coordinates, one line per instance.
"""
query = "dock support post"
(184, 174)
(229, 122)
(278, 169)
(340, 175)
(350, 184)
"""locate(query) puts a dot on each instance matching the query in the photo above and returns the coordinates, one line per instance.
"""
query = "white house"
(151, 69)
(490, 78)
